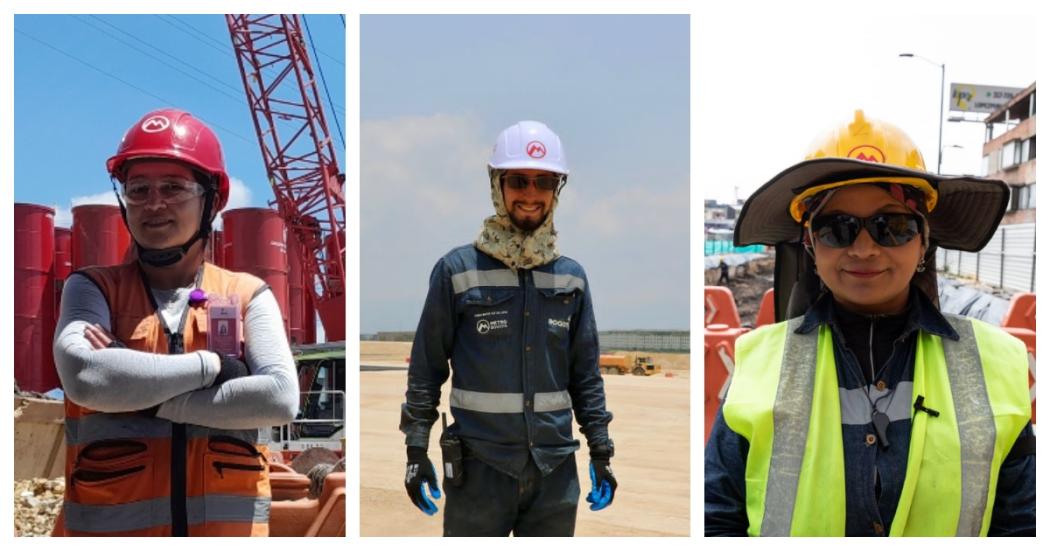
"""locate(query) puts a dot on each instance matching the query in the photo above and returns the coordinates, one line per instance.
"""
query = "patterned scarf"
(500, 239)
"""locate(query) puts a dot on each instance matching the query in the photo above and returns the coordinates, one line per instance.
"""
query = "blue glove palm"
(603, 485)
(420, 471)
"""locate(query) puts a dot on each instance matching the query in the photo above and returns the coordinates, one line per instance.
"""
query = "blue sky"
(69, 117)
(435, 92)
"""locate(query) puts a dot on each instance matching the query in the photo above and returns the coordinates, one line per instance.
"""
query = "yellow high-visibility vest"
(784, 399)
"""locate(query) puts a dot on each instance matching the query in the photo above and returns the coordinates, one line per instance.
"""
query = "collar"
(922, 315)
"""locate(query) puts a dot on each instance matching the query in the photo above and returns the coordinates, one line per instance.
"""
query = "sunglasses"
(545, 182)
(887, 230)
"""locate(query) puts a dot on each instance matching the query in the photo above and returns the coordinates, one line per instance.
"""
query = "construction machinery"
(322, 402)
(621, 365)
(298, 153)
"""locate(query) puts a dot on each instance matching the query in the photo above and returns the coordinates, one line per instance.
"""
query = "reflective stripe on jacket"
(524, 355)
(131, 474)
(790, 414)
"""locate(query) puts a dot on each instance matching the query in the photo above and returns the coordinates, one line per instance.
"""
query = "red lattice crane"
(298, 152)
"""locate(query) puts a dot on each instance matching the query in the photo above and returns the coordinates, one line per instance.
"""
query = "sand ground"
(650, 428)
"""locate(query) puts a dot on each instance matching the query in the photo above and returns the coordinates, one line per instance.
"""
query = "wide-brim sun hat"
(963, 212)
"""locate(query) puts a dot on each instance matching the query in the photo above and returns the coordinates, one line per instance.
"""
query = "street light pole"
(940, 114)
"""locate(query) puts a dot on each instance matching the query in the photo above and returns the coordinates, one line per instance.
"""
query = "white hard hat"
(529, 144)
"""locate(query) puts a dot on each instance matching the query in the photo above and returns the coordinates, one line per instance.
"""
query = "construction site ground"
(650, 428)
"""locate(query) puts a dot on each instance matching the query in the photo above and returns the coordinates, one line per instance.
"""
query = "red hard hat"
(177, 135)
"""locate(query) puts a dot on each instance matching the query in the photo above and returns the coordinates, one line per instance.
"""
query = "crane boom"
(298, 152)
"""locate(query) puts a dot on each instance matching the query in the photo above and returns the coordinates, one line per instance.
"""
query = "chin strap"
(161, 258)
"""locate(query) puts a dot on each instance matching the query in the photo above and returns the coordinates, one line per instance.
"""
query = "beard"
(527, 225)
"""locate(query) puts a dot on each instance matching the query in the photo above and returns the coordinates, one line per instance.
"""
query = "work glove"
(603, 483)
(230, 368)
(418, 471)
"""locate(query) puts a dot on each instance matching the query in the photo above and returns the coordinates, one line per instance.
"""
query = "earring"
(922, 265)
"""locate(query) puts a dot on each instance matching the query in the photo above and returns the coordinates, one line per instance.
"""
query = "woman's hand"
(100, 338)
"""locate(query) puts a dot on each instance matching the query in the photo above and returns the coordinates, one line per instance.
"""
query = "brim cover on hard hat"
(967, 214)
(530, 164)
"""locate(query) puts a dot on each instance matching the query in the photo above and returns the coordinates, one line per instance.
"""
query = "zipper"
(220, 465)
(82, 475)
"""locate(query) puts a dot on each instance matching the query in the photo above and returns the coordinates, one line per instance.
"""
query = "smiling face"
(866, 277)
(156, 224)
(528, 207)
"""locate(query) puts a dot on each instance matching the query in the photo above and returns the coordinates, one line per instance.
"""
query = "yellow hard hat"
(871, 141)
(865, 151)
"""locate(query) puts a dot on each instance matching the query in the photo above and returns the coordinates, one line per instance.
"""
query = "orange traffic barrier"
(331, 521)
(1021, 312)
(719, 307)
(324, 517)
(765, 310)
(1019, 321)
(719, 354)
(288, 486)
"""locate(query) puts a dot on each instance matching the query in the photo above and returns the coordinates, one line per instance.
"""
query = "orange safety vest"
(131, 474)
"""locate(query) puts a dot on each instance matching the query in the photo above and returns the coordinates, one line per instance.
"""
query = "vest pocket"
(233, 467)
(110, 472)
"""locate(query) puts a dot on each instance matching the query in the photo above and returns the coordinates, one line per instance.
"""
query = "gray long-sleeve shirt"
(120, 379)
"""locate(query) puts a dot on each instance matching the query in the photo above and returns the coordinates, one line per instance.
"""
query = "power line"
(183, 30)
(151, 56)
(324, 82)
(220, 81)
(122, 81)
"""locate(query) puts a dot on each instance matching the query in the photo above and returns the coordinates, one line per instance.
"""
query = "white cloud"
(63, 217)
(240, 197)
(101, 198)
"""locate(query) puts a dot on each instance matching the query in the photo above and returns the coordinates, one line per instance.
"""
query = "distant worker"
(515, 318)
(724, 271)
(165, 425)
(869, 412)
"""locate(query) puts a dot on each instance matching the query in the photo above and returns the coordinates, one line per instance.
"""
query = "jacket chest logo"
(555, 324)
(492, 321)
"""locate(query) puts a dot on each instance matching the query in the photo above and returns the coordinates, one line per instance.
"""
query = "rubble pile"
(37, 504)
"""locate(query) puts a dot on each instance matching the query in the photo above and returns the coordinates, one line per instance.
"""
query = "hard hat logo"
(536, 150)
(868, 153)
(156, 124)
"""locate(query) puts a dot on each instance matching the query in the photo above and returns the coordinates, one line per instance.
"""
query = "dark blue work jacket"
(523, 348)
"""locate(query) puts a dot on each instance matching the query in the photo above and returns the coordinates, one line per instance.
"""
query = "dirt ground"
(650, 427)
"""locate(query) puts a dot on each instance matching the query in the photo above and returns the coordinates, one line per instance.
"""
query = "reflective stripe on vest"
(509, 402)
(796, 477)
(569, 282)
(152, 513)
(470, 279)
(118, 426)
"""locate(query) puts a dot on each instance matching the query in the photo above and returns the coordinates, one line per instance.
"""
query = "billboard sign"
(977, 98)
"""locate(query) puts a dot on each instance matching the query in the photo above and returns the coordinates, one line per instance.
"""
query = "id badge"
(224, 326)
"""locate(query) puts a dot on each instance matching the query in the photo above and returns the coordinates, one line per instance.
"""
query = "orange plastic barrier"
(765, 315)
(324, 517)
(1021, 312)
(288, 486)
(719, 358)
(1019, 321)
(719, 307)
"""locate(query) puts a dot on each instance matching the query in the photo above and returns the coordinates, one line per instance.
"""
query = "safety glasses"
(171, 190)
(887, 229)
(545, 182)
